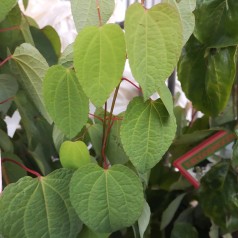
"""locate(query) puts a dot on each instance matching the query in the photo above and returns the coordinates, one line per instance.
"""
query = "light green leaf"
(144, 219)
(66, 58)
(25, 29)
(154, 43)
(58, 137)
(99, 59)
(146, 133)
(32, 68)
(65, 100)
(85, 13)
(222, 30)
(87, 233)
(166, 98)
(6, 7)
(106, 200)
(170, 211)
(74, 155)
(185, 9)
(8, 89)
(39, 206)
(207, 75)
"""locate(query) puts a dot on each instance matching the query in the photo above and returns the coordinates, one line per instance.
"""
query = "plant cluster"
(101, 174)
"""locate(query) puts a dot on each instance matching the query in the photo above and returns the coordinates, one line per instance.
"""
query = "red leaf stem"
(5, 61)
(7, 100)
(139, 88)
(10, 28)
(22, 166)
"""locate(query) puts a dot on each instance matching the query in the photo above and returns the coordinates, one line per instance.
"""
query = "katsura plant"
(86, 174)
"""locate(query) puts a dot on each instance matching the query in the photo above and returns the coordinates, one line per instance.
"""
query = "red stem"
(95, 116)
(5, 61)
(99, 13)
(132, 83)
(22, 166)
(10, 28)
(7, 100)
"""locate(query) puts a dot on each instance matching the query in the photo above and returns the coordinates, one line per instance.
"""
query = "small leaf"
(154, 43)
(99, 59)
(185, 230)
(106, 200)
(48, 197)
(185, 9)
(223, 25)
(6, 7)
(32, 67)
(5, 142)
(66, 58)
(144, 219)
(207, 75)
(170, 211)
(74, 155)
(85, 13)
(65, 100)
(147, 132)
(8, 89)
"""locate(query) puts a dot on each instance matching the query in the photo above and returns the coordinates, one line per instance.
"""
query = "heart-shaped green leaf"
(154, 42)
(185, 9)
(99, 59)
(32, 67)
(216, 22)
(74, 155)
(106, 200)
(207, 75)
(6, 7)
(39, 207)
(85, 13)
(65, 100)
(146, 133)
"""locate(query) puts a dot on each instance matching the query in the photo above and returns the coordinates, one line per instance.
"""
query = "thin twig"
(5, 61)
(99, 13)
(10, 28)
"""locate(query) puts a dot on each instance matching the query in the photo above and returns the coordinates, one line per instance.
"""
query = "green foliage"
(154, 42)
(119, 202)
(65, 100)
(85, 12)
(47, 197)
(144, 145)
(118, 174)
(99, 58)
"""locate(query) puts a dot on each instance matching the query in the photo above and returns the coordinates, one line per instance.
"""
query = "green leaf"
(6, 7)
(222, 30)
(106, 200)
(207, 76)
(185, 9)
(166, 98)
(48, 197)
(8, 89)
(13, 171)
(144, 219)
(146, 133)
(85, 13)
(25, 3)
(65, 100)
(170, 211)
(66, 58)
(58, 137)
(185, 230)
(5, 142)
(99, 59)
(25, 29)
(218, 196)
(74, 155)
(32, 68)
(154, 43)
(87, 233)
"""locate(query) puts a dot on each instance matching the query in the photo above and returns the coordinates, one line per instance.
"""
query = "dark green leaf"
(207, 76)
(218, 196)
(5, 142)
(216, 22)
(184, 230)
(6, 7)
